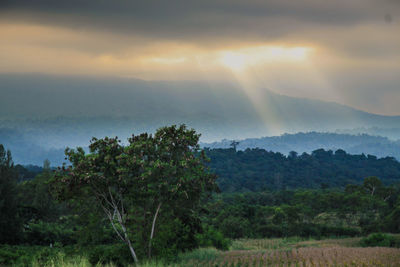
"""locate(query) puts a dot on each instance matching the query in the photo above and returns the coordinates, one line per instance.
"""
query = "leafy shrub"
(235, 227)
(307, 230)
(211, 237)
(339, 231)
(270, 230)
(25, 255)
(380, 240)
(392, 220)
(7, 256)
(171, 238)
(45, 233)
(117, 254)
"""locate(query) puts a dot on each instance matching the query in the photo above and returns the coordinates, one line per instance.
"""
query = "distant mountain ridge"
(26, 151)
(307, 142)
(217, 110)
(47, 113)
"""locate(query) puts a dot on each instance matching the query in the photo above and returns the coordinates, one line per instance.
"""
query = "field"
(292, 252)
(289, 252)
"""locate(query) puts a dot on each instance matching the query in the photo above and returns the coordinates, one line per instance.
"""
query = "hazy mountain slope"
(308, 142)
(391, 133)
(26, 151)
(51, 112)
(217, 110)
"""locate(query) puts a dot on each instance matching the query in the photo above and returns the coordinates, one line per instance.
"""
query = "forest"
(259, 169)
(162, 195)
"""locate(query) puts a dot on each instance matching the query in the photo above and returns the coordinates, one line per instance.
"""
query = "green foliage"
(380, 240)
(235, 227)
(10, 223)
(172, 237)
(117, 254)
(211, 237)
(153, 178)
(25, 255)
(36, 200)
(46, 233)
(162, 183)
(339, 231)
(201, 255)
(257, 169)
(392, 220)
(63, 260)
(314, 212)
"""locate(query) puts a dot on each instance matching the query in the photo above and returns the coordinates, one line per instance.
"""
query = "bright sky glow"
(168, 60)
(243, 58)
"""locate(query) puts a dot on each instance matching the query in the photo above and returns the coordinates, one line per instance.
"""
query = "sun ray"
(244, 65)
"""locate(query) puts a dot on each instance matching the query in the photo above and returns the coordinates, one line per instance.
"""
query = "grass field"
(293, 252)
(290, 252)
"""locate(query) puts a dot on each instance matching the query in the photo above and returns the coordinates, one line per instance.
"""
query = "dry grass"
(310, 257)
(298, 253)
(292, 252)
(291, 243)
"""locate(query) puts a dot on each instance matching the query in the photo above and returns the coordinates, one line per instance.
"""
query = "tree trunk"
(132, 250)
(152, 228)
(127, 240)
(120, 218)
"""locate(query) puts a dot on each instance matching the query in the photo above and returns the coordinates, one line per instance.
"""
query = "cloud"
(355, 44)
(209, 19)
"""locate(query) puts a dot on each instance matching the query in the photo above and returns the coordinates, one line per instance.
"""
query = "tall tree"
(176, 172)
(130, 183)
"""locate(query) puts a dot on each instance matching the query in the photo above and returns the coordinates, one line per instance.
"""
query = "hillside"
(70, 110)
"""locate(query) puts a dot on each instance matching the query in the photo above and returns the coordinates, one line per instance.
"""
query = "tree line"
(258, 169)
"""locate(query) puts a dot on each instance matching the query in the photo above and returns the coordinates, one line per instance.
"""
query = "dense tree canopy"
(305, 212)
(258, 169)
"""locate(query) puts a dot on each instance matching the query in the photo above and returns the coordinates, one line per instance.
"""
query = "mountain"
(308, 142)
(52, 112)
(218, 110)
(25, 150)
(391, 133)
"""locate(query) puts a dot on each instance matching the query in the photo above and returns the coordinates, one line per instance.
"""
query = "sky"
(340, 50)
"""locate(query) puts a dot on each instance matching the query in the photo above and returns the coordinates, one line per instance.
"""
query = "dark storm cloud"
(196, 19)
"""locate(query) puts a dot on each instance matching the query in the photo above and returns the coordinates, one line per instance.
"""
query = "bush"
(270, 230)
(171, 238)
(25, 255)
(235, 227)
(339, 231)
(211, 237)
(380, 240)
(308, 230)
(7, 256)
(46, 233)
(117, 254)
